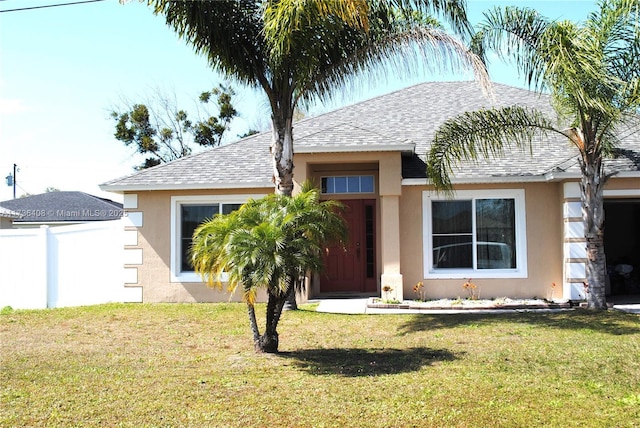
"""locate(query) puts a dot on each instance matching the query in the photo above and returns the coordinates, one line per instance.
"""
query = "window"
(477, 234)
(348, 184)
(187, 213)
(191, 216)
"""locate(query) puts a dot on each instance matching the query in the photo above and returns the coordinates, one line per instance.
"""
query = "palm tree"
(592, 71)
(272, 244)
(298, 50)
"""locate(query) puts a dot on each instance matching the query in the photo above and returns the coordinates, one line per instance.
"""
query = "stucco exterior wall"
(546, 229)
(544, 246)
(154, 239)
(625, 183)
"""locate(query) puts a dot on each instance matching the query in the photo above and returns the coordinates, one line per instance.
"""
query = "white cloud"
(12, 105)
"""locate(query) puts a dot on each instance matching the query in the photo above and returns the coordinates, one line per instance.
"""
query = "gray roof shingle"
(7, 213)
(405, 120)
(72, 207)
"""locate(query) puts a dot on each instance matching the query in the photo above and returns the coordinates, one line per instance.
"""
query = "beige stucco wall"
(627, 183)
(154, 238)
(399, 225)
(543, 202)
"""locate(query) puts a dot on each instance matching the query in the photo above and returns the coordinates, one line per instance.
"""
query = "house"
(61, 208)
(523, 212)
(6, 218)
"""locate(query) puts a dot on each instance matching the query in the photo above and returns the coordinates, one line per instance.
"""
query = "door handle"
(358, 249)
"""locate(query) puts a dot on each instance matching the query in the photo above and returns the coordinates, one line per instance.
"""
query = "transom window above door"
(348, 184)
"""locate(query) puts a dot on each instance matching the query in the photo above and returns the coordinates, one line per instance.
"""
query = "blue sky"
(63, 69)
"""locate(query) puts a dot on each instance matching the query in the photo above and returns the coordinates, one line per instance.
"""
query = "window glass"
(353, 184)
(339, 184)
(366, 184)
(496, 233)
(454, 234)
(452, 217)
(348, 184)
(229, 208)
(191, 217)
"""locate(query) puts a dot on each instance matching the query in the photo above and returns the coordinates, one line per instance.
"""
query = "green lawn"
(193, 365)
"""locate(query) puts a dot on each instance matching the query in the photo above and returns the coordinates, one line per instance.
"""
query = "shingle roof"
(405, 120)
(70, 207)
(7, 213)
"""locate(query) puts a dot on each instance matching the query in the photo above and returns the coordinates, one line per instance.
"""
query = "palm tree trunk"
(593, 217)
(282, 154)
(290, 303)
(268, 342)
(251, 312)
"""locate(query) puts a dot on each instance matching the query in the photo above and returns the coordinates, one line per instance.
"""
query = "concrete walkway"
(359, 306)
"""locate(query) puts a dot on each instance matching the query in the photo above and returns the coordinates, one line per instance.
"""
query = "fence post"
(45, 271)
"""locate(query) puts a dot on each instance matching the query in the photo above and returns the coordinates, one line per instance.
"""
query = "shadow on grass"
(608, 322)
(365, 362)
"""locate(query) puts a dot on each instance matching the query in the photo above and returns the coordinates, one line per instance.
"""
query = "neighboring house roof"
(405, 120)
(73, 207)
(7, 213)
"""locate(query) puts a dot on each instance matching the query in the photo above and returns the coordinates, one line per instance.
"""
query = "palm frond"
(514, 33)
(403, 51)
(284, 18)
(228, 33)
(482, 133)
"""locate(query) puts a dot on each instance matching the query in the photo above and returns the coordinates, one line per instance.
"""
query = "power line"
(50, 5)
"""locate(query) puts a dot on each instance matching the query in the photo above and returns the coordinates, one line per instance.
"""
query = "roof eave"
(548, 177)
(404, 148)
(479, 180)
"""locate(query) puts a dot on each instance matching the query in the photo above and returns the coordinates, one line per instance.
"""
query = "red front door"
(353, 268)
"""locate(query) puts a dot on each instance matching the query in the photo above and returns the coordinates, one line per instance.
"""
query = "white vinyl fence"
(54, 267)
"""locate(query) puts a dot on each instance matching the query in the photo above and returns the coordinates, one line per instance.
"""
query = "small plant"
(457, 301)
(553, 291)
(471, 289)
(501, 300)
(419, 290)
(386, 290)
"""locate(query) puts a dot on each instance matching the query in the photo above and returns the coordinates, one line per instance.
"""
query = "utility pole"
(11, 179)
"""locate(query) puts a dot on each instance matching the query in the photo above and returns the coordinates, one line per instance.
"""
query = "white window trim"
(176, 202)
(521, 235)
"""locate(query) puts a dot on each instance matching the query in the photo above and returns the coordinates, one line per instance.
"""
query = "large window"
(476, 234)
(187, 213)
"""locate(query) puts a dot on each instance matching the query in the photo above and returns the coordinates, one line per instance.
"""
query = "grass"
(193, 365)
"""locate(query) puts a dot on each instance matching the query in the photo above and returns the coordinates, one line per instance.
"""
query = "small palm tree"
(592, 71)
(271, 243)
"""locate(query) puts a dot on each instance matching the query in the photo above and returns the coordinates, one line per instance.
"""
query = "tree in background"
(162, 132)
(272, 244)
(592, 71)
